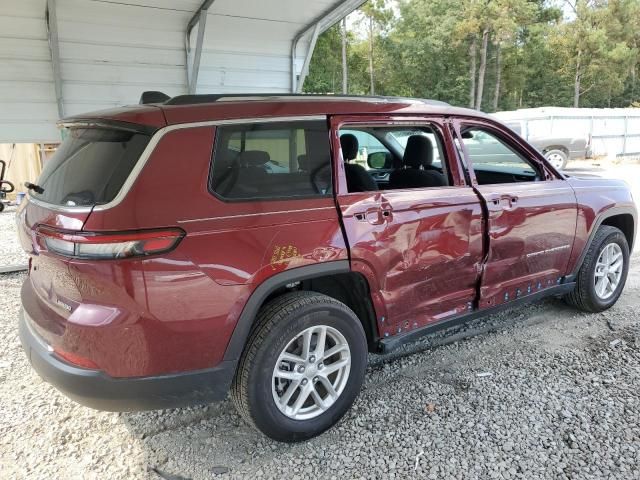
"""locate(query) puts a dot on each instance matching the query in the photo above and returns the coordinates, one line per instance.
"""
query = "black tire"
(560, 154)
(279, 322)
(584, 295)
(1, 206)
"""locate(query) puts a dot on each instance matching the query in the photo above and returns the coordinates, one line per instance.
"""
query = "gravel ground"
(10, 251)
(538, 392)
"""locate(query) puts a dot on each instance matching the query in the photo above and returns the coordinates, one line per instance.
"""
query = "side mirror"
(379, 160)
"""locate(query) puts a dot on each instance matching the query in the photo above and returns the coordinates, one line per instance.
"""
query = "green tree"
(594, 58)
(325, 69)
(377, 16)
(496, 54)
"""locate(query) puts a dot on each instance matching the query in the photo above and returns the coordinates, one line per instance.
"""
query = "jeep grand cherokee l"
(205, 245)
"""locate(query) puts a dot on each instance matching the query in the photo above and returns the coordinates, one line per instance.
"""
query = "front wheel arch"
(609, 217)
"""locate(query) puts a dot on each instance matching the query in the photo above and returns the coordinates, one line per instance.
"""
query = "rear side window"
(271, 160)
(90, 167)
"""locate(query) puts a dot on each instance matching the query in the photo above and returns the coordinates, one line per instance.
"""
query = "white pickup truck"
(558, 150)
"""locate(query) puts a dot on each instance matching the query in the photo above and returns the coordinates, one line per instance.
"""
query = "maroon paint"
(174, 312)
(420, 249)
(423, 258)
(594, 197)
(531, 227)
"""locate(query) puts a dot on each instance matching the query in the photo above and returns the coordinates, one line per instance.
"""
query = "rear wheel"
(302, 368)
(603, 273)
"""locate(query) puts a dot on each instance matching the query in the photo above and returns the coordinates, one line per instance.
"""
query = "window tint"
(90, 167)
(494, 161)
(272, 160)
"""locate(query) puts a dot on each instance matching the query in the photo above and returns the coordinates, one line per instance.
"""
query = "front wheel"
(302, 368)
(603, 273)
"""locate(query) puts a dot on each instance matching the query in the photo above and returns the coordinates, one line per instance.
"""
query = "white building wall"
(111, 51)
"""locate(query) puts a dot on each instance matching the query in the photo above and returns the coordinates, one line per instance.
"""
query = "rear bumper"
(97, 390)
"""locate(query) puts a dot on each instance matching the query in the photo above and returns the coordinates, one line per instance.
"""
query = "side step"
(389, 344)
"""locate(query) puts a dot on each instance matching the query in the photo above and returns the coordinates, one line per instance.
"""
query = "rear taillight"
(105, 246)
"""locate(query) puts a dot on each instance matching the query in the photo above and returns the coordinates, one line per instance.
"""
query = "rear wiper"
(34, 187)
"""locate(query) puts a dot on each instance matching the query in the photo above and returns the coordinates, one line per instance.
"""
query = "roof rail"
(221, 97)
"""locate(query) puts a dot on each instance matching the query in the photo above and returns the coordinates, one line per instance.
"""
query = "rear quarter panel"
(186, 304)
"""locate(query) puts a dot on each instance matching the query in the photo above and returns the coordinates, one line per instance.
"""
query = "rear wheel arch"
(352, 289)
(334, 279)
(290, 387)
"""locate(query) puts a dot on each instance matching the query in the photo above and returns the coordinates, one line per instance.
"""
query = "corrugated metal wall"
(613, 131)
(28, 108)
(113, 50)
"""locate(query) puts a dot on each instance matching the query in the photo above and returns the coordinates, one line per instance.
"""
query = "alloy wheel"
(311, 372)
(608, 271)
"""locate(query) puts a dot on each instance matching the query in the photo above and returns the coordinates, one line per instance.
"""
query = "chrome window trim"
(260, 214)
(151, 146)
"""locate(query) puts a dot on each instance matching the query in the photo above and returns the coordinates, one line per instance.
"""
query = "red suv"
(263, 245)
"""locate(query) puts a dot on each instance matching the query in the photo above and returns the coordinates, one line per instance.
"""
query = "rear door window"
(90, 166)
(271, 160)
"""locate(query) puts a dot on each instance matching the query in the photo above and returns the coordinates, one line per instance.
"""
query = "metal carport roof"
(63, 57)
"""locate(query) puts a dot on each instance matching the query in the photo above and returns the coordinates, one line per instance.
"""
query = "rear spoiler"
(106, 123)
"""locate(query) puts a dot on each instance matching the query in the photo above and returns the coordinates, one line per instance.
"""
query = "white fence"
(613, 131)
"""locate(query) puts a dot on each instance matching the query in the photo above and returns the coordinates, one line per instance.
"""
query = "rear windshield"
(90, 167)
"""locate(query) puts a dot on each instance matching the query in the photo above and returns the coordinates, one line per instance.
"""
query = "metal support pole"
(334, 14)
(591, 125)
(200, 18)
(307, 58)
(294, 77)
(626, 132)
(54, 49)
(202, 25)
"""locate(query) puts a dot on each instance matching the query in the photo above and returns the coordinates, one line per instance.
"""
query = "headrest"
(252, 158)
(303, 162)
(419, 152)
(349, 144)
